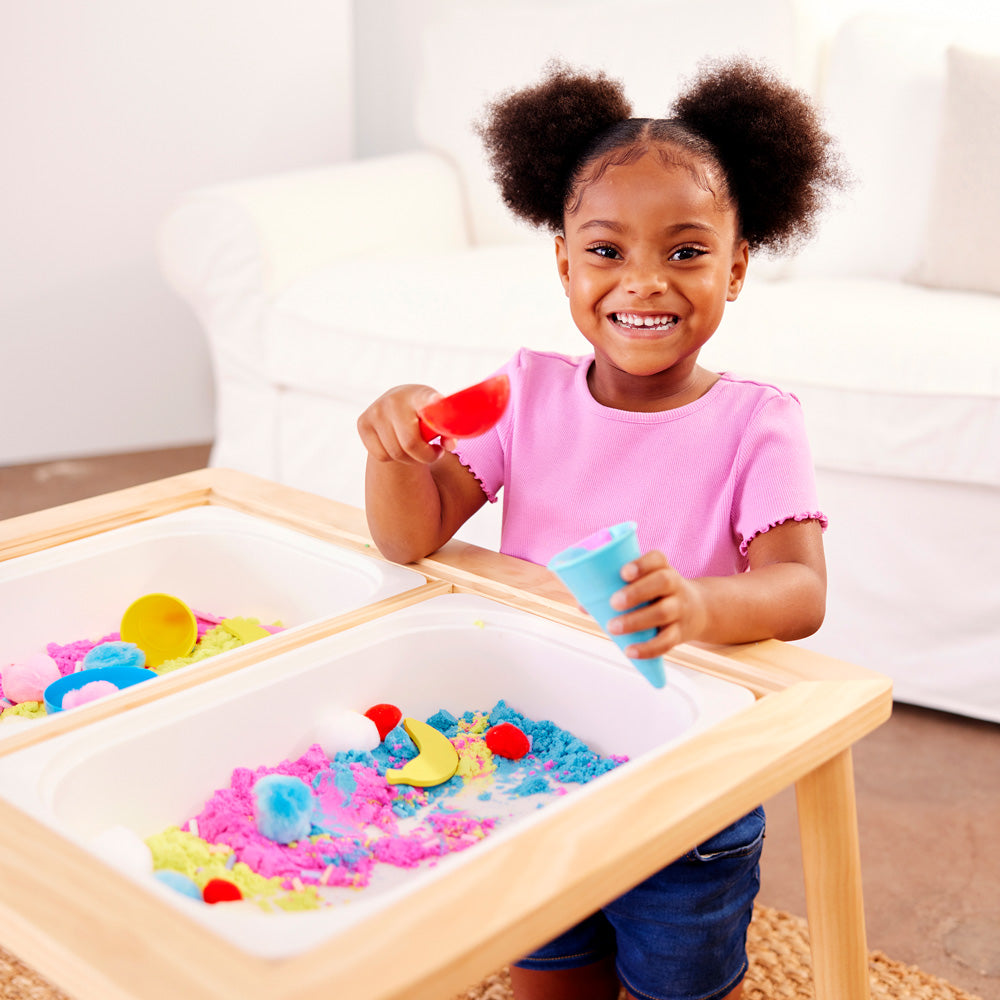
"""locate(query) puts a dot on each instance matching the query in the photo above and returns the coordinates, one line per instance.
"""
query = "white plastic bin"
(156, 765)
(215, 559)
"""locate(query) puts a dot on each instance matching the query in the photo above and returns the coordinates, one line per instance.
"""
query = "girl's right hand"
(390, 427)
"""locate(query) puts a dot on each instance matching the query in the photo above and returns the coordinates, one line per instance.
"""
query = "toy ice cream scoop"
(592, 570)
(468, 413)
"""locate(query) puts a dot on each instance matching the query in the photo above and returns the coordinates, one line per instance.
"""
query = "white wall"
(108, 109)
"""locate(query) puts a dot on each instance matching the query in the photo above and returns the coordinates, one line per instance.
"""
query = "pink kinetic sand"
(17, 684)
(362, 825)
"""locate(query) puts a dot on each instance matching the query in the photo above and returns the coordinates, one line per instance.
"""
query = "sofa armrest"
(255, 237)
(229, 250)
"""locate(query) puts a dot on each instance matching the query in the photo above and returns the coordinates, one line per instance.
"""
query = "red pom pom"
(218, 890)
(385, 717)
(507, 741)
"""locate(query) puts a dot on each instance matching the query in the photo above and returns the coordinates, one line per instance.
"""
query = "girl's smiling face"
(650, 256)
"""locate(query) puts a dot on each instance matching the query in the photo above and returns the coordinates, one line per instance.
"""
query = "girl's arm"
(417, 495)
(781, 596)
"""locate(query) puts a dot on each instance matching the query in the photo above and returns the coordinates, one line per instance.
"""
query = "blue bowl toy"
(592, 570)
(121, 677)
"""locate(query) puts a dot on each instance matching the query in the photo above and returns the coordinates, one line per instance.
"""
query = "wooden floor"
(928, 787)
(24, 488)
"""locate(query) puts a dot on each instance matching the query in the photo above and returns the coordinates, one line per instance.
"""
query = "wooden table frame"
(99, 936)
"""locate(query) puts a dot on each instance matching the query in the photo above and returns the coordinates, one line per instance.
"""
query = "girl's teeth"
(626, 319)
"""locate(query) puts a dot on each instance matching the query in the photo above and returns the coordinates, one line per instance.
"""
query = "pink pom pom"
(89, 692)
(27, 681)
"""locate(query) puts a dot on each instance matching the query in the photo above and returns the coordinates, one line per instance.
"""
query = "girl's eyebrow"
(616, 227)
(677, 227)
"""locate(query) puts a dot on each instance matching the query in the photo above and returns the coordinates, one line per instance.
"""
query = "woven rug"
(780, 965)
(781, 968)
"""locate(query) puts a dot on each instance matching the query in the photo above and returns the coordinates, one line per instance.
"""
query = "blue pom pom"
(284, 807)
(115, 654)
(179, 881)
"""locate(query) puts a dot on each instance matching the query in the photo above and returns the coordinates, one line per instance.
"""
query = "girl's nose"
(646, 277)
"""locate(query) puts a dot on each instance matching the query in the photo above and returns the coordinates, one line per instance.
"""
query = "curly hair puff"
(779, 162)
(766, 140)
(535, 138)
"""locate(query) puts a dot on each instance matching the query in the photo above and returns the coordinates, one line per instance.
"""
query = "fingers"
(665, 616)
(648, 577)
(656, 597)
(664, 641)
(390, 427)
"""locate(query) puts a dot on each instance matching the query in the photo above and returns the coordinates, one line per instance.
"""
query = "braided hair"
(766, 141)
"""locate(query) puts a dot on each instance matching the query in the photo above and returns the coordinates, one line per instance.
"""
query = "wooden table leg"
(828, 829)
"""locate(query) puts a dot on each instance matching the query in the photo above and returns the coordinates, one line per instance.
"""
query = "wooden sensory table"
(99, 936)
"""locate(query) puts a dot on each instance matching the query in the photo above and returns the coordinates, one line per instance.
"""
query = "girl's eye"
(687, 253)
(606, 251)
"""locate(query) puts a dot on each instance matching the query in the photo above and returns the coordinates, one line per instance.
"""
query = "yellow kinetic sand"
(245, 629)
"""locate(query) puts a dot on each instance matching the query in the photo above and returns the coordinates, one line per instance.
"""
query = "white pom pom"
(124, 849)
(339, 730)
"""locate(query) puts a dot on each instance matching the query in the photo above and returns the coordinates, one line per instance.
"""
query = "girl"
(654, 223)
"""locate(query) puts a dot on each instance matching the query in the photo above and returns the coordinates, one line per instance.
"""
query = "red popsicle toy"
(466, 413)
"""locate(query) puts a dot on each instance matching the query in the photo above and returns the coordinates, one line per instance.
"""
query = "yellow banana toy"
(436, 762)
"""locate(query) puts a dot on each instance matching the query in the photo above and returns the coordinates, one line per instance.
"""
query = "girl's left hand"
(673, 604)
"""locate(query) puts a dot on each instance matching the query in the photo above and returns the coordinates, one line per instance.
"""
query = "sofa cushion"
(961, 249)
(895, 379)
(882, 96)
(446, 320)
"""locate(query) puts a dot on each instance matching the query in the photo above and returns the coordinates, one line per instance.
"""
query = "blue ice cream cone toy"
(592, 570)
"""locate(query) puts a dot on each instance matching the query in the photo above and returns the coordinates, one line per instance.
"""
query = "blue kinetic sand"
(592, 570)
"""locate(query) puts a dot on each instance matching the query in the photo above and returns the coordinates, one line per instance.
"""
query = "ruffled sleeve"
(776, 481)
(485, 456)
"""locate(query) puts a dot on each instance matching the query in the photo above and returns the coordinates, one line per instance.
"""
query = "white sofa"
(318, 290)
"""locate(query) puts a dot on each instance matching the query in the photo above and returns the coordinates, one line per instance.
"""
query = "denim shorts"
(681, 934)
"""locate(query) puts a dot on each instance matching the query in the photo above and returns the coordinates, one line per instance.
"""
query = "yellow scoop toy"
(162, 626)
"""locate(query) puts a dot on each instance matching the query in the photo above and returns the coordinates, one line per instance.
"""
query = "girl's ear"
(738, 272)
(562, 262)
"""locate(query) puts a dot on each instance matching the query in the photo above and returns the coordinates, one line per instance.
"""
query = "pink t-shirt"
(700, 481)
